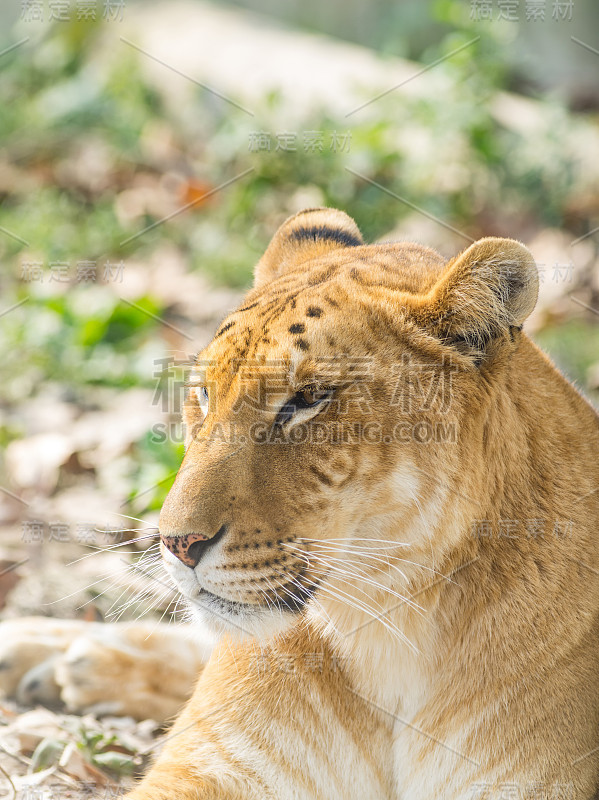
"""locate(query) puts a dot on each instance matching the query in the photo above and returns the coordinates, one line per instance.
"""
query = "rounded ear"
(484, 292)
(310, 234)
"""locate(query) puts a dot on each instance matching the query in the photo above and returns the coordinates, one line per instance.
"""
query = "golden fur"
(481, 547)
(393, 496)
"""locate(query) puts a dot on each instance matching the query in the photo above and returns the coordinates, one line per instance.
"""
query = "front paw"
(134, 670)
(29, 649)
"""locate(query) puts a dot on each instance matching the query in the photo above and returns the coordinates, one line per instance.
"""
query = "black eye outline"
(299, 402)
(205, 395)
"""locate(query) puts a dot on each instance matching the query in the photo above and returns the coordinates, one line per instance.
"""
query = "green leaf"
(117, 762)
(47, 753)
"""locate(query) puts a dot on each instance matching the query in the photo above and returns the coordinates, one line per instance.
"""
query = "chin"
(240, 621)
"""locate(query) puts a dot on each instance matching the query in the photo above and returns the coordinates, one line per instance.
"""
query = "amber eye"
(309, 397)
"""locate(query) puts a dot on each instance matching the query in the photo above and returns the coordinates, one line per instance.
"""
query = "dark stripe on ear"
(310, 210)
(316, 232)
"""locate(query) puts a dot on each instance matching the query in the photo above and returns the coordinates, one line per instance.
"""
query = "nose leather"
(179, 546)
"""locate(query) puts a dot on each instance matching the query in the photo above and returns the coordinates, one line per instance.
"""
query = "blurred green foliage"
(67, 94)
(574, 347)
(156, 460)
(86, 336)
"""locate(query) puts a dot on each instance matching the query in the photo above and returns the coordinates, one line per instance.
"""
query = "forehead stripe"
(224, 329)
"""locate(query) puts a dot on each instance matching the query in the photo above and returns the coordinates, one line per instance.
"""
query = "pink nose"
(183, 547)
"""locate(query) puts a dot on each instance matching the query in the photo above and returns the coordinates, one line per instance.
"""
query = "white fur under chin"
(241, 624)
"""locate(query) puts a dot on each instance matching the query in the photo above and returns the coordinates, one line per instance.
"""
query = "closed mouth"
(222, 603)
(296, 599)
